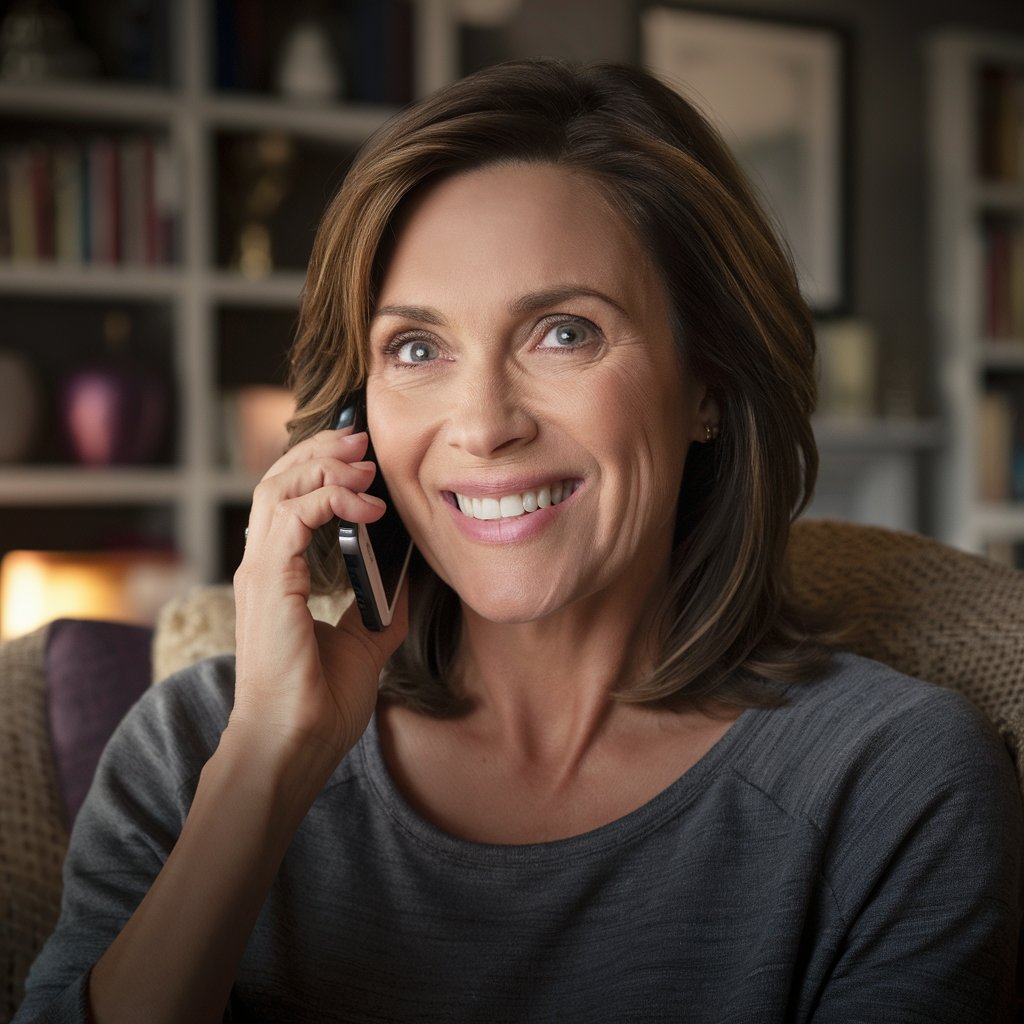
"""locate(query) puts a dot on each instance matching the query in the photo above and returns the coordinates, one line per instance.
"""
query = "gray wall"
(887, 166)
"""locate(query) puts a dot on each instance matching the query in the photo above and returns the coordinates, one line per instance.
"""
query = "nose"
(491, 415)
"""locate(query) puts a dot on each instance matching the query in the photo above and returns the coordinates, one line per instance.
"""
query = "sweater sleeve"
(926, 873)
(125, 830)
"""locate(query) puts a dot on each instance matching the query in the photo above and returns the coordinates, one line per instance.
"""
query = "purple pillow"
(95, 671)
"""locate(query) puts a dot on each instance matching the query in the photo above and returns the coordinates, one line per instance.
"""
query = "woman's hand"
(298, 681)
(304, 692)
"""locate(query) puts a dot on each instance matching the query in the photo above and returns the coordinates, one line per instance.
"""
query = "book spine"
(67, 204)
(22, 216)
(995, 446)
(132, 206)
(102, 202)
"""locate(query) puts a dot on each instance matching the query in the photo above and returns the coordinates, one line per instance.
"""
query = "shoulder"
(865, 732)
(175, 726)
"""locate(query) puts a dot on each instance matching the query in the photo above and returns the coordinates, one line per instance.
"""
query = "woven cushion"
(32, 835)
(926, 609)
(95, 671)
(202, 624)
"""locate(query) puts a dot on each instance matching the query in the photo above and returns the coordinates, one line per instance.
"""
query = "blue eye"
(416, 351)
(568, 334)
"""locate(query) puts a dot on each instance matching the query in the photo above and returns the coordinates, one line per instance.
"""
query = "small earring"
(710, 433)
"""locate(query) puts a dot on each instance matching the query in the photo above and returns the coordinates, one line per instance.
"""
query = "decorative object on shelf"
(37, 43)
(307, 65)
(261, 173)
(255, 426)
(775, 91)
(848, 357)
(115, 412)
(20, 406)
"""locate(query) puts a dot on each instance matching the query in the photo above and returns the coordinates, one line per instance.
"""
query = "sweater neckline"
(631, 827)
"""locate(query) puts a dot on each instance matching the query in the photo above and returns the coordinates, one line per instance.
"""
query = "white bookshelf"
(961, 196)
(191, 493)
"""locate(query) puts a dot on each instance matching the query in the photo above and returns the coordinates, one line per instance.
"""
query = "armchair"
(926, 609)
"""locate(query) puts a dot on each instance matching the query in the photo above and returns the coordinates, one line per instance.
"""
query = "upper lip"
(496, 486)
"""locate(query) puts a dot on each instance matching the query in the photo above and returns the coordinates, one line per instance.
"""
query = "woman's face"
(526, 401)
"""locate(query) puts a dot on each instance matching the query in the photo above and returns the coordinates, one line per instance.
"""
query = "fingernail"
(362, 465)
(372, 499)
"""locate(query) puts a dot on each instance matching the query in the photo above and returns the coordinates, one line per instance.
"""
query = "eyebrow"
(528, 303)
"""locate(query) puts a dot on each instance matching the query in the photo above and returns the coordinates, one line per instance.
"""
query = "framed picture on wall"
(775, 91)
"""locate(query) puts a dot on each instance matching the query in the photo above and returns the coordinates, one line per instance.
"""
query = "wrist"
(256, 762)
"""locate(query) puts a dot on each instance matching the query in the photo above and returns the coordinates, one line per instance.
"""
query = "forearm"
(178, 955)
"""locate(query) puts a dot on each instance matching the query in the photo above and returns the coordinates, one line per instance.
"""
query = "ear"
(706, 417)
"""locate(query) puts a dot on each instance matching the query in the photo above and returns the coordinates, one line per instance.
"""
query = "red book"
(104, 214)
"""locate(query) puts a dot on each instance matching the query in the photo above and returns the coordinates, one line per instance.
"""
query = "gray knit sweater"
(851, 856)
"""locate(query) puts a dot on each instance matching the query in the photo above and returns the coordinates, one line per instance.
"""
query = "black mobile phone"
(376, 554)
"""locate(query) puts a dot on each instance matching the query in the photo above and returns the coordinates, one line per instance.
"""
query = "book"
(19, 204)
(132, 202)
(104, 213)
(995, 446)
(69, 240)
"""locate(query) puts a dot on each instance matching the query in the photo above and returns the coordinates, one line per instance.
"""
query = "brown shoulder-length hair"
(727, 631)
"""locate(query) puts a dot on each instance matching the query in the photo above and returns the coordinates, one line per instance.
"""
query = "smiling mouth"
(511, 506)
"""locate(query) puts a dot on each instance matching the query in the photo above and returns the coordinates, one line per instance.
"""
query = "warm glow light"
(38, 586)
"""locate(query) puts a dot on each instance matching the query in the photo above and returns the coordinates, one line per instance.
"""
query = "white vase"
(307, 68)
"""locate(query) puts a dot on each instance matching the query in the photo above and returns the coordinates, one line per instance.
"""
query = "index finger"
(332, 444)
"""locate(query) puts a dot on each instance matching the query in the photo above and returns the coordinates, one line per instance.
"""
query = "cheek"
(392, 434)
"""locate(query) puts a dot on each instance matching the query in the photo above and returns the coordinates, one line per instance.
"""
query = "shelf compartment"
(252, 370)
(1002, 276)
(271, 191)
(1000, 108)
(97, 194)
(366, 45)
(87, 527)
(129, 344)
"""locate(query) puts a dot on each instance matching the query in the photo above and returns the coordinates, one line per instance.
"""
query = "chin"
(509, 603)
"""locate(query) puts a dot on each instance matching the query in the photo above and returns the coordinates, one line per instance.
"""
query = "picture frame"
(776, 91)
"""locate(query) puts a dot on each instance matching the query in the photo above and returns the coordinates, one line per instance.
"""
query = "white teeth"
(510, 506)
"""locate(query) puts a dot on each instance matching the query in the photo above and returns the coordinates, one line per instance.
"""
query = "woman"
(608, 774)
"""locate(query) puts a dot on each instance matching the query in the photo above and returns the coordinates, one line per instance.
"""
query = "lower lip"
(511, 530)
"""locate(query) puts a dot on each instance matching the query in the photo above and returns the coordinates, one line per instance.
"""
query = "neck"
(543, 689)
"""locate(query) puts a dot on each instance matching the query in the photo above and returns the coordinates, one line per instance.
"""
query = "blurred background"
(164, 163)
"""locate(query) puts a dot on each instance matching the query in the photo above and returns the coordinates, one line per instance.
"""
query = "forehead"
(523, 225)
